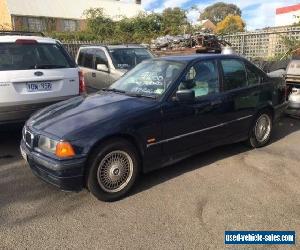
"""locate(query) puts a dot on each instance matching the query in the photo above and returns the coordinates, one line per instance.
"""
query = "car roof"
(13, 38)
(121, 46)
(195, 57)
(132, 46)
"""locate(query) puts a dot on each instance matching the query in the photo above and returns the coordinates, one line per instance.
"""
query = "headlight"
(61, 149)
(47, 144)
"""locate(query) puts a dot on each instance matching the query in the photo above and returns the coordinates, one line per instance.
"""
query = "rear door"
(34, 72)
(241, 91)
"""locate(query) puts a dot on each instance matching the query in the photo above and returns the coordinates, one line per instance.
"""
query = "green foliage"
(99, 24)
(140, 29)
(292, 46)
(174, 21)
(218, 11)
(73, 36)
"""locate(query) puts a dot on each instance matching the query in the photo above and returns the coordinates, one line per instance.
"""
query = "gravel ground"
(185, 206)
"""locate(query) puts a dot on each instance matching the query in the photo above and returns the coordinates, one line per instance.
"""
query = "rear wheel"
(114, 170)
(261, 130)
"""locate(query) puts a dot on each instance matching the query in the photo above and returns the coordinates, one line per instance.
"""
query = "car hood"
(77, 113)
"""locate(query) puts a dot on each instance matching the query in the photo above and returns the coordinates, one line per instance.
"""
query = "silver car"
(293, 87)
(103, 65)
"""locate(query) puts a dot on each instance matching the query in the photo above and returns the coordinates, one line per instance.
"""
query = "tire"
(114, 169)
(261, 130)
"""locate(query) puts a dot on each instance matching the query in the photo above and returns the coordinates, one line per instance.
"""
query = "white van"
(35, 71)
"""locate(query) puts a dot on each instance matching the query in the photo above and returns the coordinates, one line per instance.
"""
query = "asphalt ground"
(188, 205)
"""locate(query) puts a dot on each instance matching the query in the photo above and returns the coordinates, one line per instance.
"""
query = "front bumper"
(67, 175)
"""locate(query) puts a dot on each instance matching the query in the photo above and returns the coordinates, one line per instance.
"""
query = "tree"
(174, 21)
(139, 29)
(218, 11)
(99, 24)
(231, 24)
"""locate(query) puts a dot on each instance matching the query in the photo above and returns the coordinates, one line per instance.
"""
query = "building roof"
(70, 9)
(287, 9)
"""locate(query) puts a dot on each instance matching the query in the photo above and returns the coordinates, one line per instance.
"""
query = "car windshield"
(150, 78)
(15, 56)
(128, 58)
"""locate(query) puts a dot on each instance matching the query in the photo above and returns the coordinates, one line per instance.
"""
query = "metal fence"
(73, 46)
(265, 43)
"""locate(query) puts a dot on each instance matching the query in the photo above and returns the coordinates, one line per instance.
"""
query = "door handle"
(93, 74)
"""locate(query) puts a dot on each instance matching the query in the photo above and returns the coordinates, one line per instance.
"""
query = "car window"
(85, 58)
(128, 58)
(203, 78)
(15, 56)
(234, 74)
(100, 57)
(254, 76)
(151, 78)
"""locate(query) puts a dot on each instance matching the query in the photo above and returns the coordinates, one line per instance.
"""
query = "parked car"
(103, 65)
(293, 87)
(162, 111)
(35, 71)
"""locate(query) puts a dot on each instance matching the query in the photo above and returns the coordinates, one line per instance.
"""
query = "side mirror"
(102, 67)
(186, 96)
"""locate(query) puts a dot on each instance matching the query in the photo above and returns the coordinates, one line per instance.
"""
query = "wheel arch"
(128, 137)
(267, 107)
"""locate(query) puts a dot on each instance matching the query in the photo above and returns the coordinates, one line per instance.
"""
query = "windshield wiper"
(140, 95)
(114, 90)
(128, 93)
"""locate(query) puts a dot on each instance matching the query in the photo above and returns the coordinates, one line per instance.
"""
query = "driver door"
(195, 125)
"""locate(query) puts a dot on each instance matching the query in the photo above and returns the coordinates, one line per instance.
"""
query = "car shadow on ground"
(18, 185)
(282, 128)
(20, 188)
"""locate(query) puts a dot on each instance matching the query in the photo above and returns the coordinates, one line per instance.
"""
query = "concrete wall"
(5, 19)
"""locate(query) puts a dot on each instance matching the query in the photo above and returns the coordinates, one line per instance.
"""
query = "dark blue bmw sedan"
(162, 111)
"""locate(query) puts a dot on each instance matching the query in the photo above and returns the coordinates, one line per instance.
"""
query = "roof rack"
(21, 33)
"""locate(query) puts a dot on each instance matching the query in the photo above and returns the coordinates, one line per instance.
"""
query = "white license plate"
(24, 155)
(40, 86)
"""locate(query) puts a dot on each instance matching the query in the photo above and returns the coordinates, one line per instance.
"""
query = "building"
(207, 25)
(288, 15)
(59, 15)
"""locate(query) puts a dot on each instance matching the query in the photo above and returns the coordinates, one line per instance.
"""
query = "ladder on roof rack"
(21, 33)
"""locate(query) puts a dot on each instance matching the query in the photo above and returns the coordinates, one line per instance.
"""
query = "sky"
(256, 13)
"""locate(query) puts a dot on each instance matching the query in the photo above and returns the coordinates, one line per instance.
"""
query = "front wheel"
(114, 170)
(261, 130)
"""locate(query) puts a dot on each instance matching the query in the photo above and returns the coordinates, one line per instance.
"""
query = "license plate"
(24, 155)
(40, 86)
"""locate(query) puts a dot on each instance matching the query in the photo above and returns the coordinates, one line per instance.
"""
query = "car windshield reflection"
(150, 78)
